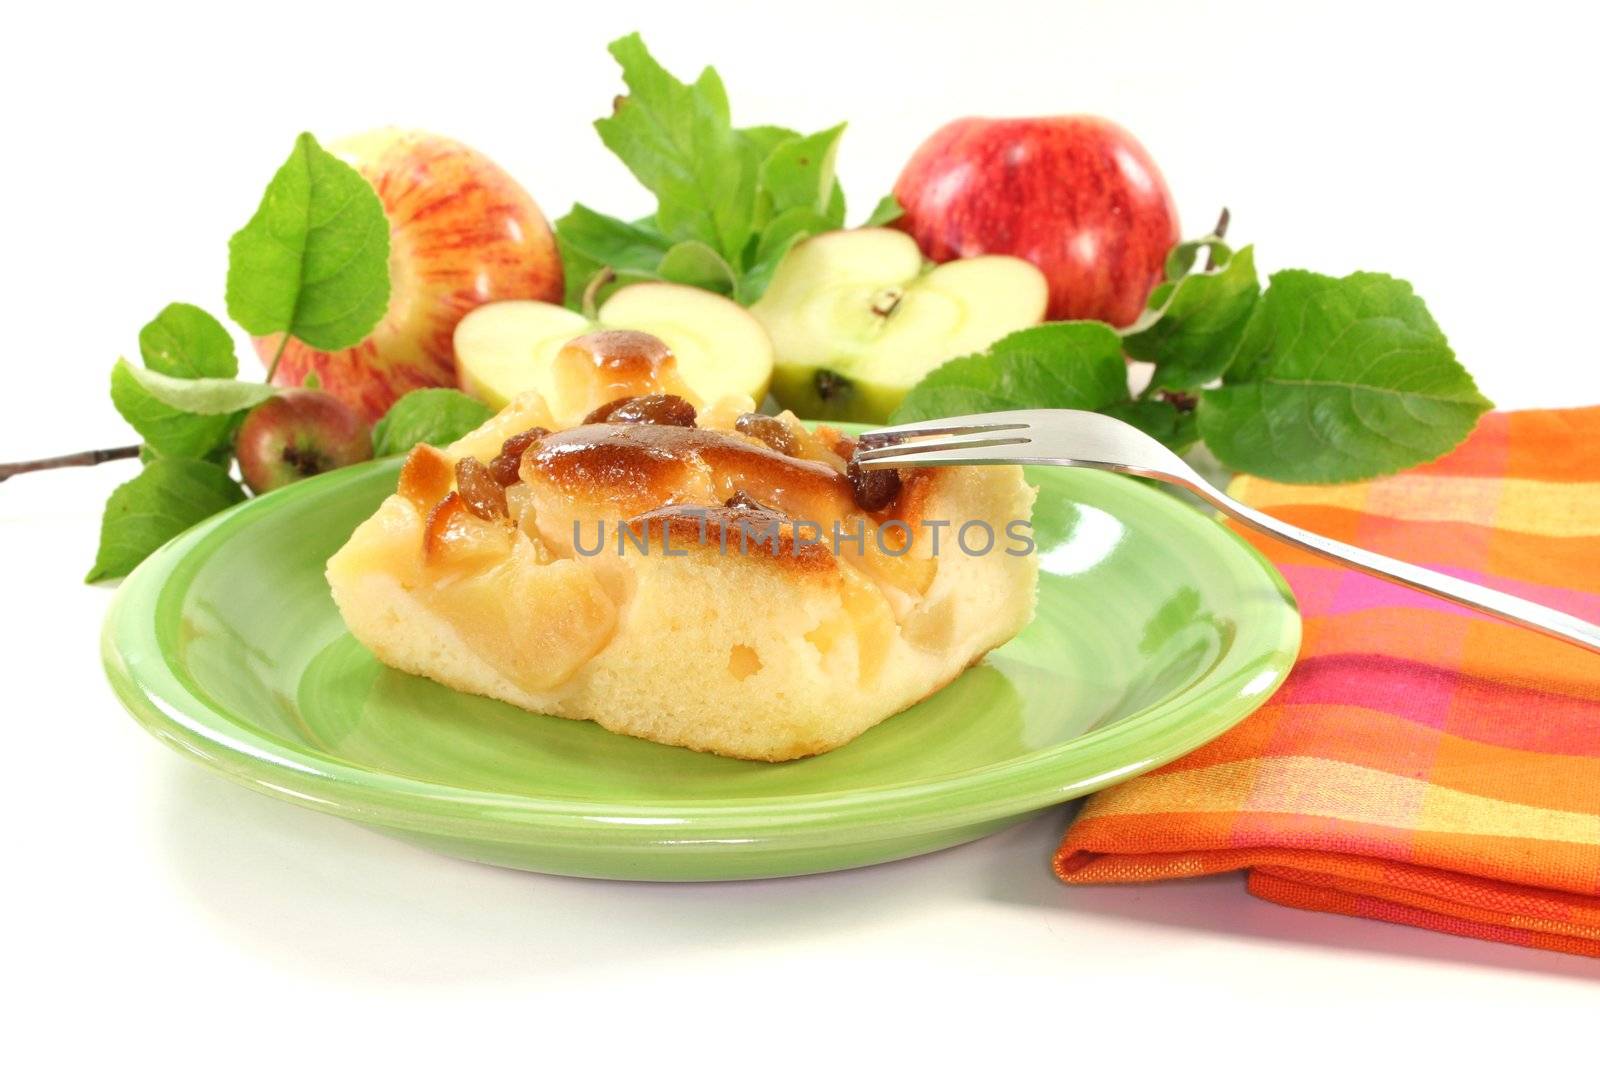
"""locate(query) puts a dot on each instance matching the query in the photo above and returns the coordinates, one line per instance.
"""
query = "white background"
(154, 906)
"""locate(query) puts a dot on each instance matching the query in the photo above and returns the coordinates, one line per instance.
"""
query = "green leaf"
(885, 211)
(796, 182)
(836, 209)
(1181, 259)
(1173, 428)
(678, 141)
(590, 241)
(799, 196)
(167, 430)
(1057, 365)
(1338, 379)
(167, 497)
(427, 416)
(763, 139)
(729, 202)
(198, 396)
(1194, 338)
(798, 173)
(314, 259)
(780, 235)
(759, 143)
(612, 242)
(697, 263)
(182, 343)
(185, 342)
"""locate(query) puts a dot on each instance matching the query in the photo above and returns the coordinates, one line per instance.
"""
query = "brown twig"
(1219, 231)
(72, 459)
(1184, 402)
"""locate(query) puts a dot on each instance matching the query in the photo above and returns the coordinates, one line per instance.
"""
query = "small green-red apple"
(462, 232)
(510, 347)
(298, 433)
(857, 318)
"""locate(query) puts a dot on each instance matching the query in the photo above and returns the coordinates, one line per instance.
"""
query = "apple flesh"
(857, 320)
(512, 346)
(296, 434)
(462, 233)
(1074, 194)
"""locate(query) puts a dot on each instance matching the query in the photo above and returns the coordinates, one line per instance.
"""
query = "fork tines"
(966, 439)
(961, 424)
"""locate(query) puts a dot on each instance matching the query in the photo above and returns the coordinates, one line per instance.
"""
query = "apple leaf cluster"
(729, 201)
(313, 263)
(1312, 379)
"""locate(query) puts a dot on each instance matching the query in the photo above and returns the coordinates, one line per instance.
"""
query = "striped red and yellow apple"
(463, 232)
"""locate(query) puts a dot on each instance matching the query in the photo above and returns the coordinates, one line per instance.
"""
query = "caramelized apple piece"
(455, 535)
(608, 365)
(721, 413)
(425, 477)
(622, 353)
(821, 444)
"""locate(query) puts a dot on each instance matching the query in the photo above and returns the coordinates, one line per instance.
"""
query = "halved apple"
(509, 347)
(857, 318)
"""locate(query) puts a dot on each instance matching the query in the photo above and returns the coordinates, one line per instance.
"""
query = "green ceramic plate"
(1157, 629)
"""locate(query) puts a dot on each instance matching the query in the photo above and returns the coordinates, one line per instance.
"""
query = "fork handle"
(1512, 609)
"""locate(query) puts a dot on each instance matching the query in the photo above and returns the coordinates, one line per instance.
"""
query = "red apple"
(1074, 194)
(462, 233)
(298, 433)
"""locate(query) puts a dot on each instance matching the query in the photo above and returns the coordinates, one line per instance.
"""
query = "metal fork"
(1086, 439)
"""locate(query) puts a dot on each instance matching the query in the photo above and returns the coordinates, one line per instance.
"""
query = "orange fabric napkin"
(1422, 764)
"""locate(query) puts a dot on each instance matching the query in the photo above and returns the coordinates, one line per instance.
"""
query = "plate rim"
(143, 679)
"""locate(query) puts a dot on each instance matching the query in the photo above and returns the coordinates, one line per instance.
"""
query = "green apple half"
(507, 348)
(857, 318)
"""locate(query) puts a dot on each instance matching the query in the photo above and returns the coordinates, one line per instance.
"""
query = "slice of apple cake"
(716, 579)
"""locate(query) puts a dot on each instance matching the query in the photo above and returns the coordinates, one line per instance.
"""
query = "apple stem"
(272, 369)
(1219, 231)
(89, 458)
(1184, 402)
(602, 277)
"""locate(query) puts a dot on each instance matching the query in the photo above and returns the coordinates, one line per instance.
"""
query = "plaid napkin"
(1422, 764)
